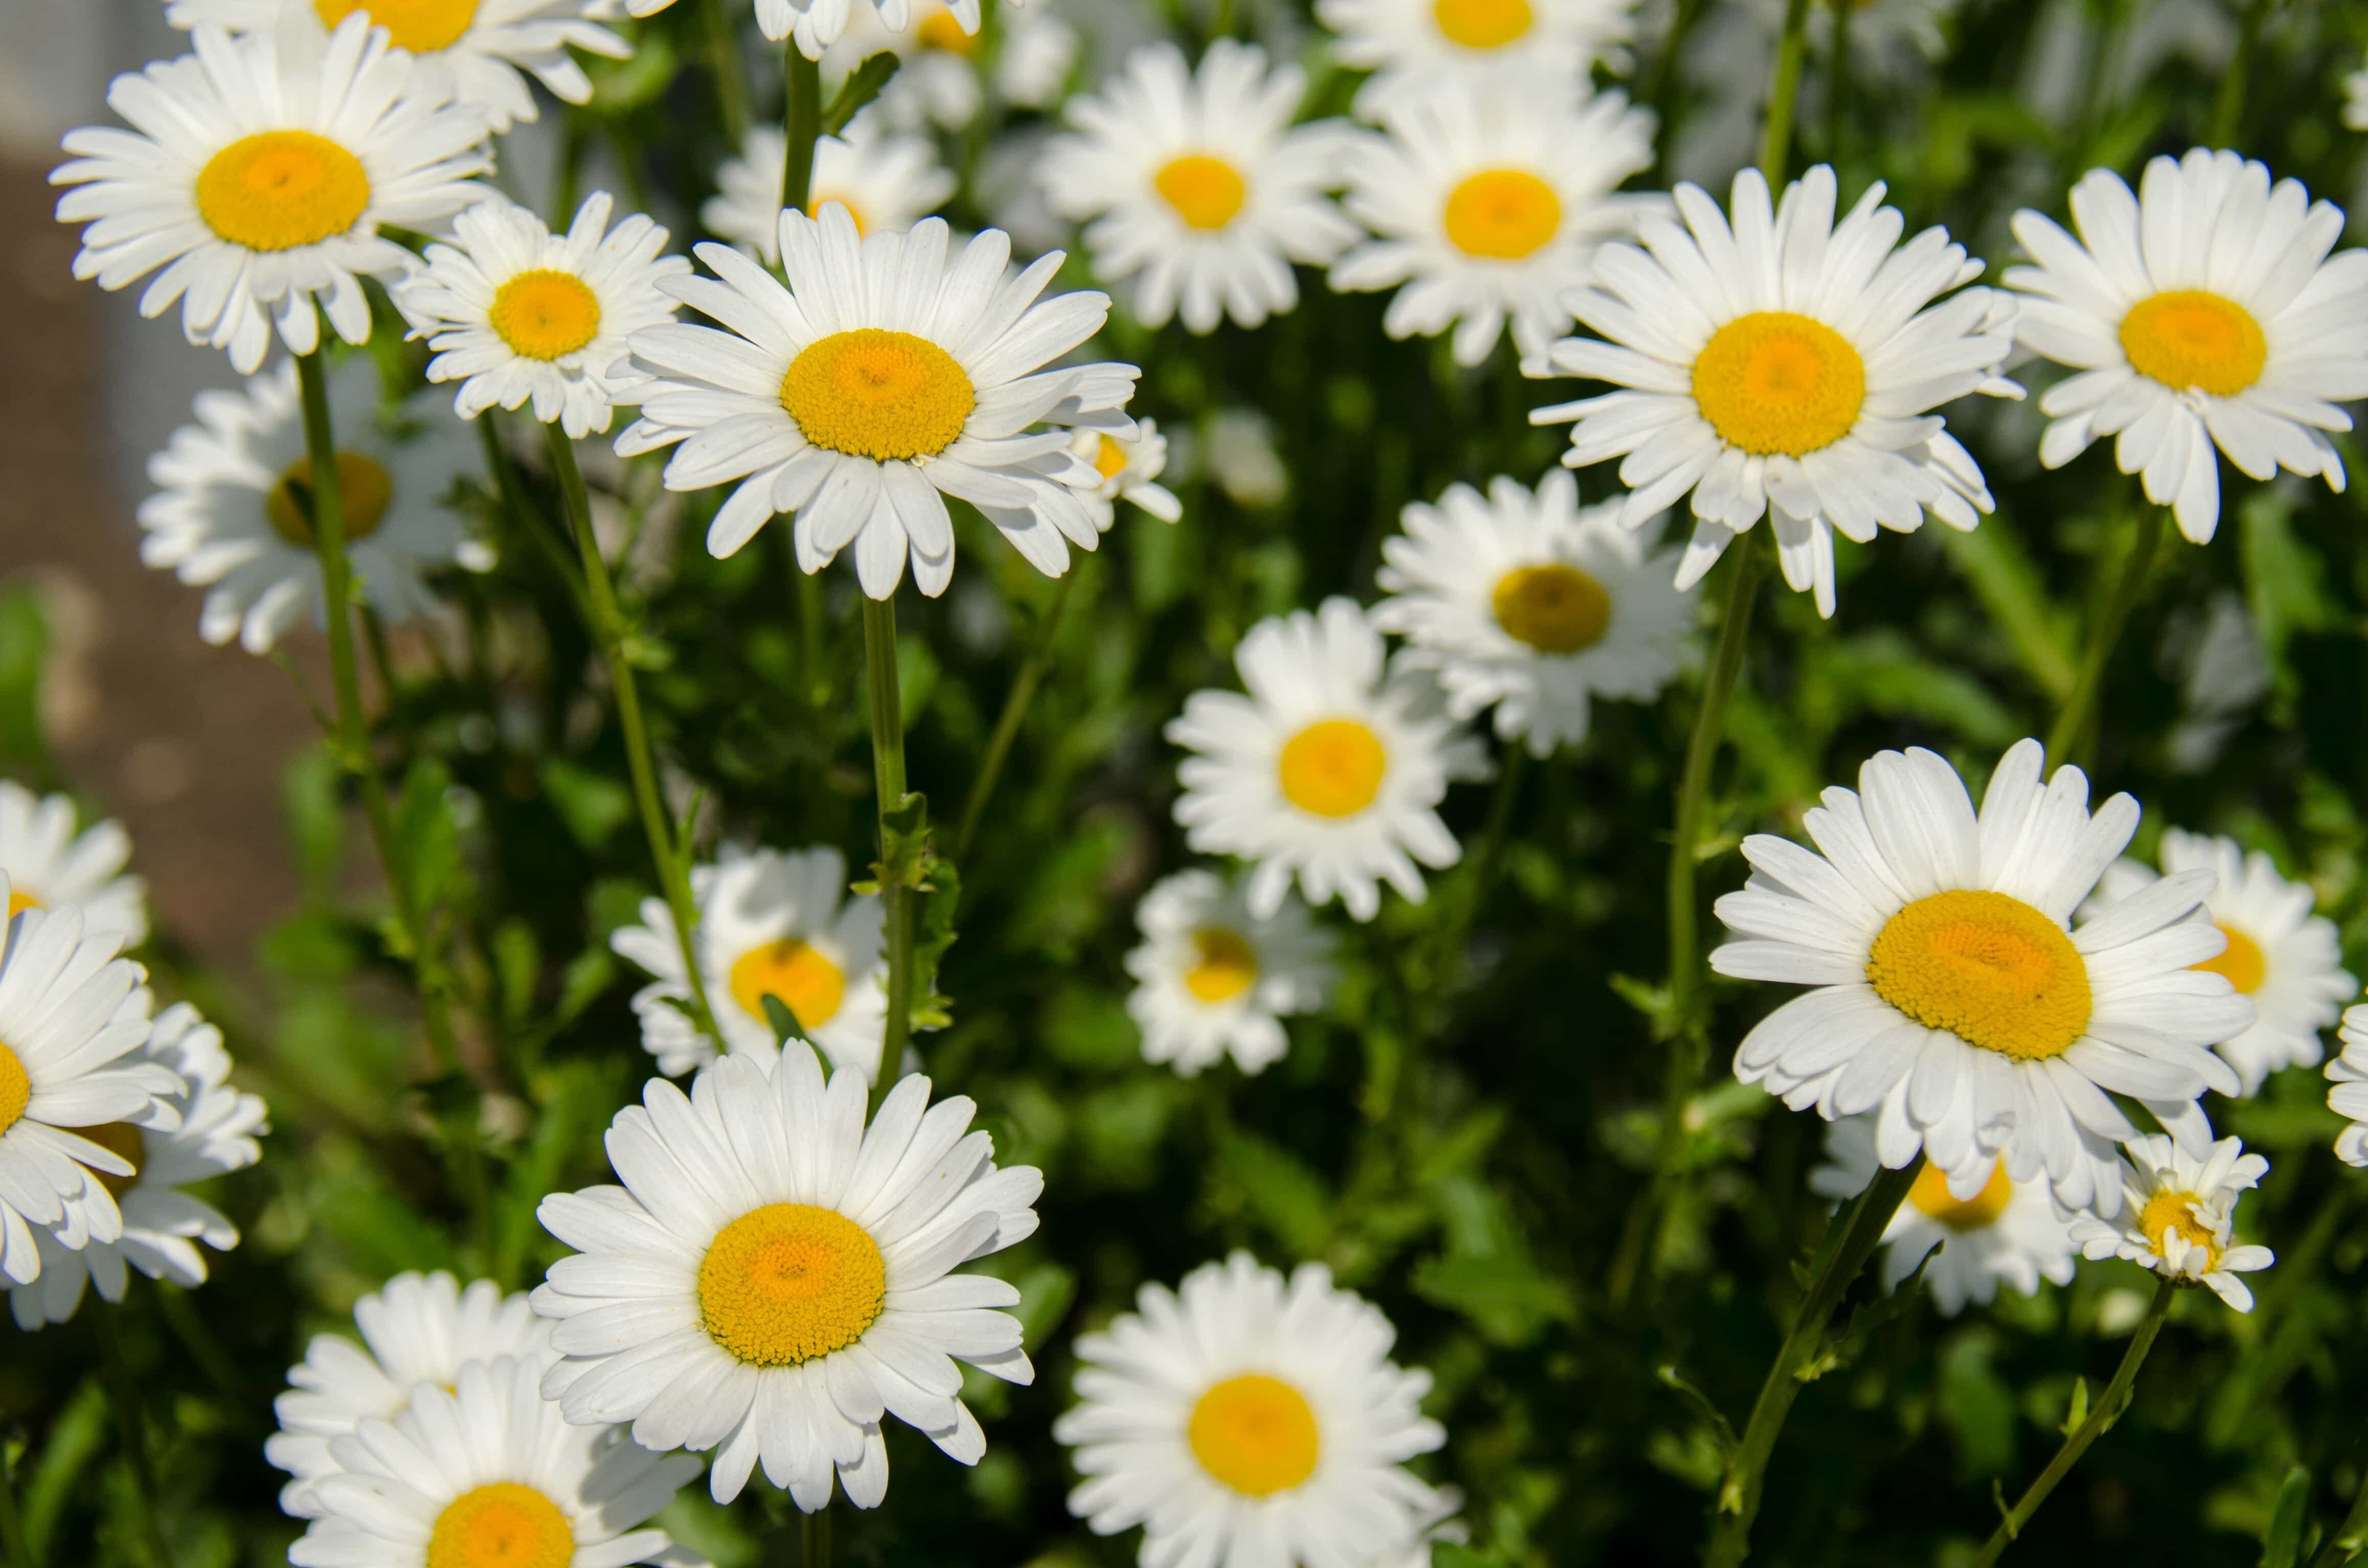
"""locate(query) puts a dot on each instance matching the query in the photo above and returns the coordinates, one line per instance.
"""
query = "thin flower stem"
(888, 777)
(813, 1539)
(2068, 735)
(800, 124)
(2104, 1414)
(132, 1430)
(1032, 674)
(1850, 1242)
(1791, 49)
(724, 64)
(2228, 105)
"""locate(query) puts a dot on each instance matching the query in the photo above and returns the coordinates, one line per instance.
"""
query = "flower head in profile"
(48, 864)
(945, 75)
(815, 25)
(2177, 1214)
(1214, 979)
(886, 183)
(1129, 468)
(1528, 47)
(2349, 1098)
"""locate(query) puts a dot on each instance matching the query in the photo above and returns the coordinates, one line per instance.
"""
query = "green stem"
(724, 64)
(124, 1393)
(2228, 105)
(1850, 1242)
(813, 1539)
(670, 856)
(1791, 49)
(2104, 1414)
(2351, 1538)
(800, 124)
(2067, 736)
(12, 1523)
(888, 778)
(1014, 707)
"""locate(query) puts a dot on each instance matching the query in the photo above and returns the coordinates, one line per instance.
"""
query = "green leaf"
(1288, 1197)
(1504, 1296)
(1975, 1404)
(384, 1234)
(861, 88)
(426, 834)
(24, 649)
(780, 1020)
(2281, 1548)
(620, 87)
(593, 805)
(316, 818)
(517, 964)
(2005, 578)
(2285, 580)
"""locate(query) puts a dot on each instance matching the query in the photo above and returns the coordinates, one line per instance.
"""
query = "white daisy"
(48, 864)
(2205, 311)
(880, 377)
(815, 23)
(2287, 959)
(1526, 601)
(217, 1132)
(775, 1277)
(1541, 47)
(886, 183)
(1129, 470)
(1949, 992)
(1331, 769)
(1214, 979)
(416, 1329)
(2355, 100)
(2177, 1212)
(486, 1473)
(770, 924)
(479, 52)
(1783, 366)
(2349, 1098)
(1244, 1420)
(1198, 187)
(228, 515)
(514, 311)
(2001, 1231)
(1488, 207)
(258, 176)
(943, 78)
(1239, 450)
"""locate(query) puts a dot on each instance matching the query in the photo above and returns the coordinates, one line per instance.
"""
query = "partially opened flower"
(48, 864)
(945, 76)
(1537, 48)
(1214, 979)
(886, 183)
(815, 24)
(1129, 468)
(2178, 1213)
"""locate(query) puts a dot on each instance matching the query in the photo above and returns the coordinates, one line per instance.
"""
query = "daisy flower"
(1196, 186)
(1539, 47)
(2177, 1214)
(1999, 1231)
(485, 1472)
(815, 23)
(514, 311)
(775, 1277)
(1129, 470)
(1528, 602)
(770, 924)
(226, 515)
(943, 78)
(2349, 1098)
(2355, 100)
(2287, 959)
(416, 1329)
(1331, 769)
(1783, 366)
(216, 1131)
(1245, 1419)
(886, 183)
(880, 376)
(2203, 312)
(49, 864)
(258, 172)
(1950, 995)
(1213, 978)
(1488, 207)
(1238, 449)
(478, 52)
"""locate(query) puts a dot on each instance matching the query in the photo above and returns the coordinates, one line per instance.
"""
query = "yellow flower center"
(503, 1525)
(789, 1282)
(854, 214)
(16, 1089)
(1554, 607)
(279, 189)
(1223, 966)
(2168, 1211)
(2194, 339)
(366, 489)
(1774, 381)
(1990, 970)
(940, 30)
(1333, 767)
(1931, 1195)
(1205, 191)
(875, 394)
(416, 25)
(119, 1138)
(1482, 24)
(1255, 1434)
(1109, 459)
(809, 985)
(1502, 214)
(2241, 962)
(544, 314)
(20, 900)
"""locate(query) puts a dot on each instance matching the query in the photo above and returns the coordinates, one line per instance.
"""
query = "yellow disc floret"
(1483, 24)
(875, 394)
(1333, 767)
(789, 1282)
(2167, 1213)
(1553, 608)
(16, 1089)
(1110, 457)
(2195, 340)
(415, 25)
(1774, 381)
(940, 29)
(1223, 966)
(365, 488)
(823, 198)
(20, 900)
(545, 313)
(503, 1525)
(1255, 1434)
(1931, 1195)
(279, 189)
(1989, 969)
(809, 985)
(1502, 214)
(2241, 962)
(1205, 191)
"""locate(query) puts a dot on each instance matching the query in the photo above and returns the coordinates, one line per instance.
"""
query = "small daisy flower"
(1331, 769)
(1999, 1232)
(1213, 978)
(1540, 47)
(1949, 992)
(880, 377)
(770, 924)
(258, 172)
(2349, 1098)
(681, 1315)
(1526, 602)
(229, 514)
(815, 23)
(2287, 959)
(886, 184)
(1245, 1419)
(486, 1472)
(2177, 1214)
(1128, 468)
(942, 79)
(2203, 312)
(416, 1329)
(1786, 367)
(479, 52)
(1197, 187)
(49, 864)
(1488, 207)
(2355, 100)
